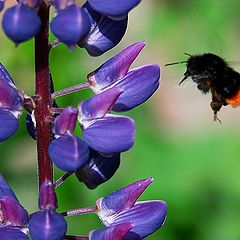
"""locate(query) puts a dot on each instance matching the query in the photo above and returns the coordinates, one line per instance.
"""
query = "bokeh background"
(194, 161)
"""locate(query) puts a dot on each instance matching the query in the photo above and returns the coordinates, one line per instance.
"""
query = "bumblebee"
(212, 74)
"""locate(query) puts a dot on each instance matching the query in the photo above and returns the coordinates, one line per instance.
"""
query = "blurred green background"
(194, 161)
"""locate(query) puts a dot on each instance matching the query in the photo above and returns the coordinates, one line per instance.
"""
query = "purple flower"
(104, 132)
(114, 9)
(14, 218)
(105, 33)
(20, 23)
(71, 25)
(11, 103)
(121, 207)
(47, 223)
(136, 85)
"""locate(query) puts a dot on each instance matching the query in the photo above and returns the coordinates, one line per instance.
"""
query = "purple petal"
(115, 8)
(105, 33)
(122, 199)
(98, 105)
(110, 134)
(9, 233)
(138, 86)
(117, 232)
(115, 68)
(10, 98)
(12, 212)
(4, 75)
(66, 121)
(47, 196)
(98, 170)
(5, 189)
(47, 224)
(71, 25)
(146, 217)
(20, 23)
(8, 125)
(1, 5)
(68, 153)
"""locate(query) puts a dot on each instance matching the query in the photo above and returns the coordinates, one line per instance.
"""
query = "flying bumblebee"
(212, 74)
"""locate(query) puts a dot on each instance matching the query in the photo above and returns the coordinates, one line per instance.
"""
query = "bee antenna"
(188, 54)
(185, 77)
(174, 63)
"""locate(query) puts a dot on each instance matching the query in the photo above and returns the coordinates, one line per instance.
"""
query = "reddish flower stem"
(43, 106)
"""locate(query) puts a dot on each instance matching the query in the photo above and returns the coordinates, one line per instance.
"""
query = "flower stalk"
(43, 106)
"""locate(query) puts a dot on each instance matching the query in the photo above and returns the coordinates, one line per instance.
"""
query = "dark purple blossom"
(105, 33)
(115, 9)
(20, 23)
(136, 85)
(71, 25)
(121, 207)
(98, 169)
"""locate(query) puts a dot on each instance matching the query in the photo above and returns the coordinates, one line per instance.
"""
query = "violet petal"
(98, 105)
(138, 86)
(65, 122)
(47, 224)
(9, 233)
(98, 170)
(71, 25)
(8, 125)
(111, 134)
(12, 212)
(105, 33)
(20, 23)
(146, 217)
(1, 5)
(115, 68)
(117, 232)
(115, 8)
(47, 196)
(10, 98)
(123, 198)
(68, 153)
(5, 189)
(5, 76)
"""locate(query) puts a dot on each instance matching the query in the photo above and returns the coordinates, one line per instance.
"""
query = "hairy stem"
(43, 106)
(69, 90)
(79, 211)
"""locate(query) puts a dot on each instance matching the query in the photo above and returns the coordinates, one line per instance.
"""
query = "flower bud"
(47, 224)
(71, 25)
(16, 23)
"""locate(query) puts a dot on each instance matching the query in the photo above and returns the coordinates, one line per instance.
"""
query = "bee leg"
(216, 106)
(215, 118)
